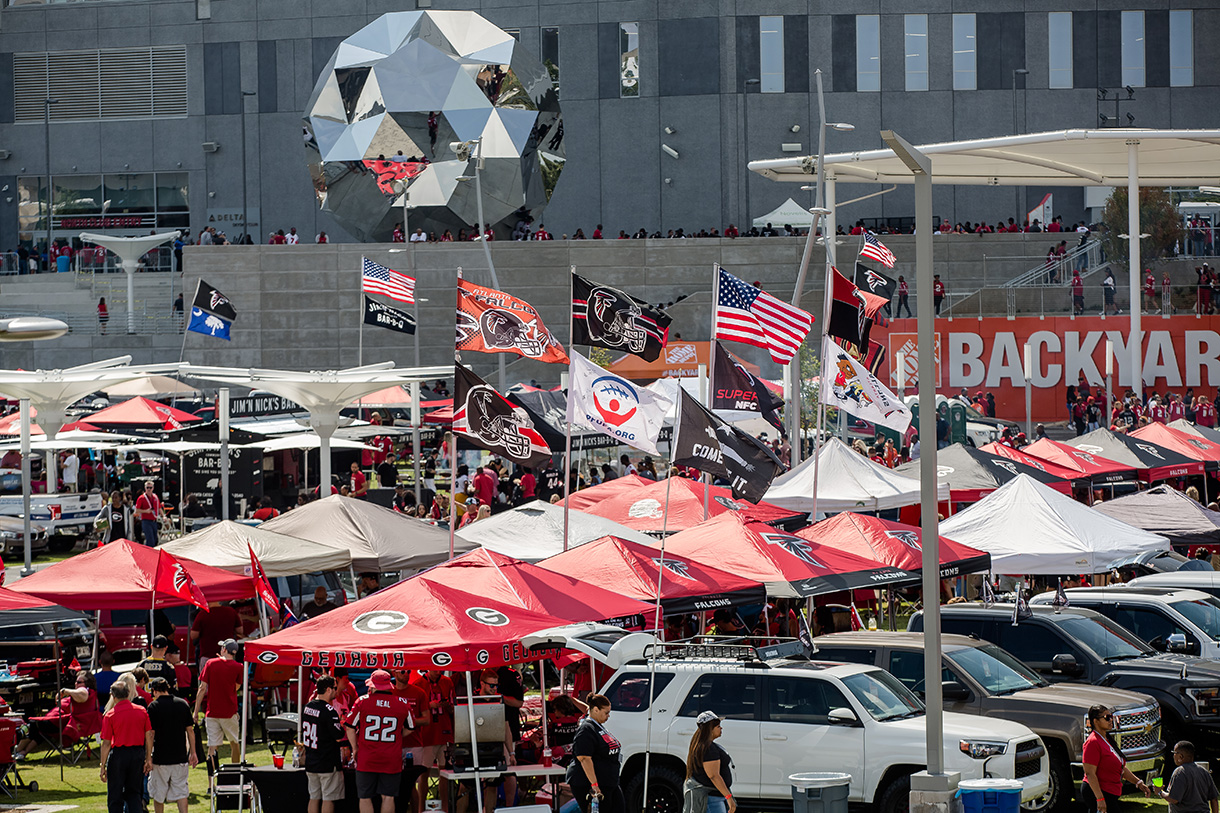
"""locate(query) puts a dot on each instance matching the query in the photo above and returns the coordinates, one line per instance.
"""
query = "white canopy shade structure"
(788, 213)
(31, 328)
(323, 392)
(534, 531)
(60, 444)
(227, 545)
(1119, 157)
(173, 446)
(304, 440)
(1028, 527)
(154, 386)
(379, 539)
(847, 482)
(130, 250)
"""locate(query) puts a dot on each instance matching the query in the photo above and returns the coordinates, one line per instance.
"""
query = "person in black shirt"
(598, 760)
(156, 664)
(322, 735)
(321, 604)
(404, 500)
(513, 693)
(173, 752)
(709, 764)
(550, 481)
(387, 472)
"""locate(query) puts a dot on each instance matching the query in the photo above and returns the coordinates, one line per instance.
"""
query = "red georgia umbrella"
(892, 543)
(788, 565)
(141, 413)
(581, 500)
(1098, 469)
(122, 575)
(630, 568)
(1183, 443)
(511, 581)
(644, 509)
(415, 624)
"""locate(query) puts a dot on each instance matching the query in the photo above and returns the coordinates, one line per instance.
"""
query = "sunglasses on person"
(491, 685)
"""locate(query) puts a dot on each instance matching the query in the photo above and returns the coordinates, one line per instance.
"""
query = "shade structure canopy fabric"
(1059, 158)
(1205, 432)
(788, 213)
(1152, 462)
(415, 624)
(535, 531)
(511, 581)
(1053, 469)
(847, 481)
(787, 564)
(893, 543)
(141, 413)
(227, 545)
(1184, 443)
(1028, 527)
(686, 585)
(581, 500)
(120, 575)
(1168, 512)
(153, 386)
(13, 600)
(303, 440)
(1099, 470)
(972, 474)
(679, 359)
(644, 509)
(378, 539)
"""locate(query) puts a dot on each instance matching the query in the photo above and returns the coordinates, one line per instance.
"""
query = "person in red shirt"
(938, 292)
(1205, 412)
(127, 741)
(219, 623)
(219, 685)
(148, 510)
(597, 233)
(359, 483)
(345, 693)
(417, 698)
(181, 671)
(1156, 411)
(1149, 290)
(1176, 409)
(904, 294)
(1077, 292)
(529, 485)
(484, 483)
(263, 512)
(375, 728)
(1105, 769)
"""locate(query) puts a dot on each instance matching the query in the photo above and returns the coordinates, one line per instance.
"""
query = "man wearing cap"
(219, 685)
(173, 753)
(127, 740)
(157, 665)
(322, 733)
(375, 729)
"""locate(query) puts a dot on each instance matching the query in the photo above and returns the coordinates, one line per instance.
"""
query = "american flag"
(377, 279)
(752, 316)
(876, 250)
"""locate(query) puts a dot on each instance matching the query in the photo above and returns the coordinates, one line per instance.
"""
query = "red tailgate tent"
(141, 413)
(643, 509)
(1183, 443)
(12, 600)
(788, 565)
(581, 500)
(1099, 470)
(121, 576)
(687, 586)
(893, 543)
(1054, 469)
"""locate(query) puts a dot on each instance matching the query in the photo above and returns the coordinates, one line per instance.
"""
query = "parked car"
(980, 678)
(28, 653)
(785, 716)
(1076, 644)
(1168, 619)
(66, 517)
(12, 536)
(1157, 561)
(1207, 581)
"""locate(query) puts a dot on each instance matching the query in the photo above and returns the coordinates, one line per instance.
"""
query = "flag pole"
(567, 438)
(711, 383)
(360, 333)
(817, 435)
(656, 623)
(453, 447)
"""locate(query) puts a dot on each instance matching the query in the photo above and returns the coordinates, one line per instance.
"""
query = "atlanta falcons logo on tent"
(679, 569)
(1152, 450)
(1007, 465)
(908, 538)
(794, 545)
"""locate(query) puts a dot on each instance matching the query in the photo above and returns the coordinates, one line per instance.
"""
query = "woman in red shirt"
(1104, 766)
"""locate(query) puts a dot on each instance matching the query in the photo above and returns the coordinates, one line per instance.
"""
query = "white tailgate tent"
(847, 481)
(1028, 527)
(534, 531)
(227, 545)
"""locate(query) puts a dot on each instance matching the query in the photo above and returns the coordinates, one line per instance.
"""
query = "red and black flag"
(851, 311)
(489, 421)
(607, 317)
(491, 321)
(736, 388)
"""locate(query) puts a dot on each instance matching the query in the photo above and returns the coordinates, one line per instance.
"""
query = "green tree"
(1158, 219)
(811, 371)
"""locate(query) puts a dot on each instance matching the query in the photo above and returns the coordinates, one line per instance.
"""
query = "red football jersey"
(380, 720)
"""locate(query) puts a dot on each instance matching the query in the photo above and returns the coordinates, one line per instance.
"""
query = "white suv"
(786, 716)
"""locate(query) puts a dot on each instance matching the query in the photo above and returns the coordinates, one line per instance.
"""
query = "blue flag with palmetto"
(212, 313)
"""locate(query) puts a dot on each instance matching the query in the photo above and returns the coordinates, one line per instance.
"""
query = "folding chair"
(10, 776)
(229, 789)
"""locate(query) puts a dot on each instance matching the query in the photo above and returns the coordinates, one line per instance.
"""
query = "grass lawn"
(82, 786)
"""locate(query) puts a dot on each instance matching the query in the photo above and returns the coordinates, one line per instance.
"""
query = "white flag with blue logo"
(606, 403)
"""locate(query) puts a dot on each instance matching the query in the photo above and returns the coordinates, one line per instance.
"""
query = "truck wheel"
(664, 791)
(1059, 794)
(896, 798)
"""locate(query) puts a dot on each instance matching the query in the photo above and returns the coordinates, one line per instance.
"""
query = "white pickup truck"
(66, 517)
(782, 717)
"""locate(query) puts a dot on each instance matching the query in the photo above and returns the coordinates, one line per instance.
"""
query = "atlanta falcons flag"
(851, 311)
(172, 581)
(1061, 598)
(212, 314)
(1020, 607)
(607, 317)
(486, 419)
(878, 284)
(704, 442)
(988, 592)
(261, 586)
(491, 321)
(847, 385)
(736, 388)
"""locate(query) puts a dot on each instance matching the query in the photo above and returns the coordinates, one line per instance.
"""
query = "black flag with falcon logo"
(704, 442)
(487, 419)
(877, 284)
(607, 317)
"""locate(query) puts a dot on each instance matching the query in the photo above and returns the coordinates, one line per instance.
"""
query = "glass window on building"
(915, 42)
(128, 193)
(771, 54)
(1181, 49)
(1133, 48)
(1059, 48)
(868, 52)
(550, 53)
(77, 195)
(629, 59)
(965, 53)
(123, 203)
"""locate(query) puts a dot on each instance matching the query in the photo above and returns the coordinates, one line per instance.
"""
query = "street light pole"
(745, 147)
(495, 280)
(46, 125)
(245, 211)
(1017, 190)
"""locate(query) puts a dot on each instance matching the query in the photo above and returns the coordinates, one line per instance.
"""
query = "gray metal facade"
(694, 56)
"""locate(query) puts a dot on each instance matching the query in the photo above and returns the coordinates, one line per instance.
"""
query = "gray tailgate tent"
(379, 539)
(227, 545)
(534, 531)
(1166, 511)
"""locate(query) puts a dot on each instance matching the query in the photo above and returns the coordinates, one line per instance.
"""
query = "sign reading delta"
(987, 355)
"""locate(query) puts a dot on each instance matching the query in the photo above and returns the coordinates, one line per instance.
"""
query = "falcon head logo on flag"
(794, 545)
(612, 320)
(217, 299)
(495, 430)
(182, 579)
(505, 330)
(614, 400)
(679, 569)
(908, 538)
(874, 280)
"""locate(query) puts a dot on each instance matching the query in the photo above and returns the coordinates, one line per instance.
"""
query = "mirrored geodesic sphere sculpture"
(409, 103)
